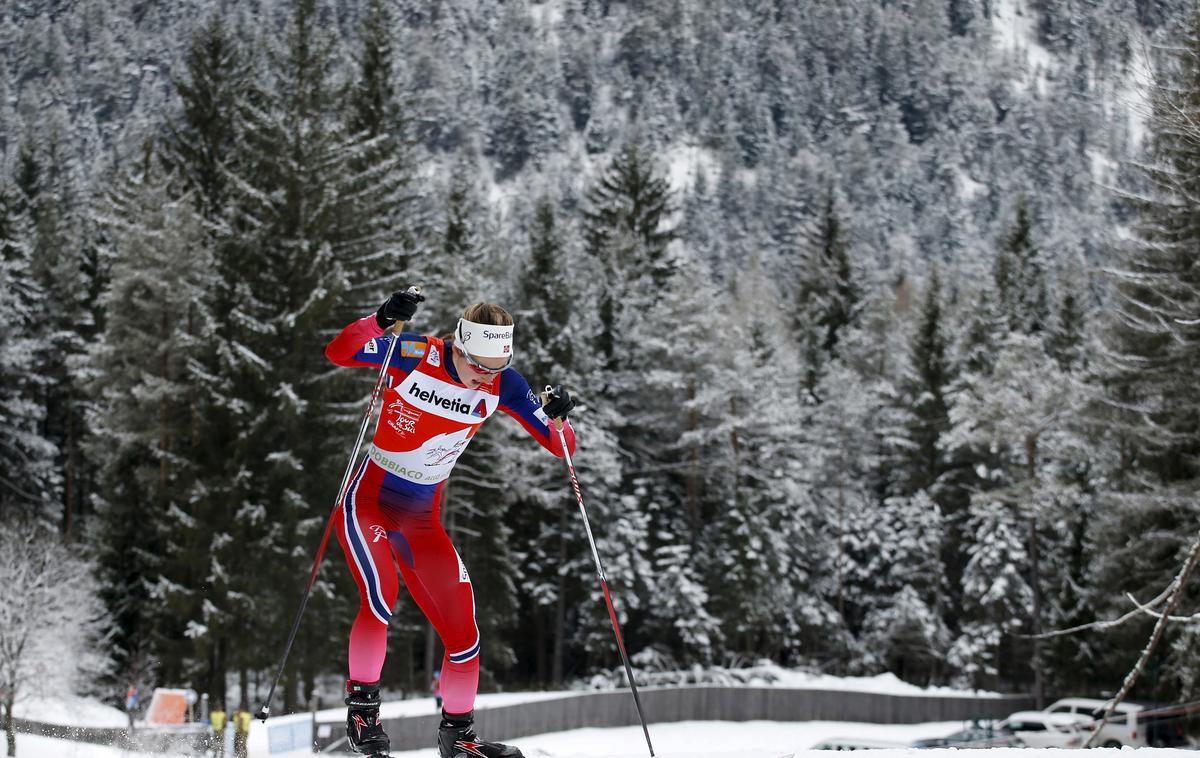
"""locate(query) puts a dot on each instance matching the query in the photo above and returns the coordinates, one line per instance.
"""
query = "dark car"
(978, 734)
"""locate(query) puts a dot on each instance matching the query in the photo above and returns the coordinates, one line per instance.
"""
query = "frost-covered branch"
(1176, 593)
(1109, 624)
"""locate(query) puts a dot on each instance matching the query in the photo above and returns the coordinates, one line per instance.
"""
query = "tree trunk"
(9, 728)
(692, 481)
(430, 649)
(1039, 679)
(244, 686)
(841, 537)
(560, 605)
(216, 673)
(70, 475)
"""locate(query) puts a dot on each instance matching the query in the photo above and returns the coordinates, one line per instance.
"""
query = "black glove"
(401, 306)
(557, 402)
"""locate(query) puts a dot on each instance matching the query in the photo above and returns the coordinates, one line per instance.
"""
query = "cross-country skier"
(437, 394)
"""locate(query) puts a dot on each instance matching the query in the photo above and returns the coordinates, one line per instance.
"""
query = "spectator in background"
(132, 697)
(241, 731)
(436, 688)
(217, 721)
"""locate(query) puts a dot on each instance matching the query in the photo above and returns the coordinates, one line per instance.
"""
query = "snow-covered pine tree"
(378, 198)
(1020, 276)
(198, 148)
(288, 271)
(51, 181)
(628, 231)
(153, 532)
(1151, 351)
(1020, 410)
(554, 559)
(680, 354)
(919, 460)
(769, 580)
(523, 123)
(906, 632)
(995, 594)
(26, 456)
(627, 226)
(826, 290)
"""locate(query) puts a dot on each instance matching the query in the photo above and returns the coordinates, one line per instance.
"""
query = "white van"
(1122, 727)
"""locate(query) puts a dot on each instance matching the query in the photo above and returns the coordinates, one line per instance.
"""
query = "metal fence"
(188, 737)
(700, 703)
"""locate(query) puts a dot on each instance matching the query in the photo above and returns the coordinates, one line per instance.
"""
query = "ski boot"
(457, 739)
(363, 728)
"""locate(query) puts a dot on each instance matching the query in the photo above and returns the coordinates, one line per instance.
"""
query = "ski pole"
(612, 612)
(398, 327)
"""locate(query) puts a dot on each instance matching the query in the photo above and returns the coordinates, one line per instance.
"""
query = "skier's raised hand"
(401, 306)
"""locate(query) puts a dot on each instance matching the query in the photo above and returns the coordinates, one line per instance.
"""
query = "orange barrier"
(167, 707)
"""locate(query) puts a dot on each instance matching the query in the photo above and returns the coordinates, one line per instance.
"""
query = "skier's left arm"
(519, 401)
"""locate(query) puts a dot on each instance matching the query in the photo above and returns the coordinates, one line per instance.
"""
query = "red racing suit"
(389, 514)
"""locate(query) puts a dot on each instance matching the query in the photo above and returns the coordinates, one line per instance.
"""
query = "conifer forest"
(882, 316)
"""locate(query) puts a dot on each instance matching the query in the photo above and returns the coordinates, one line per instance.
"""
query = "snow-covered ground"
(693, 739)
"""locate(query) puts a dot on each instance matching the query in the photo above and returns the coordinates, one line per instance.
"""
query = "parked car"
(1041, 729)
(1122, 727)
(978, 734)
(854, 743)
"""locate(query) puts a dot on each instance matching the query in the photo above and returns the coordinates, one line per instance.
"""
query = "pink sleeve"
(344, 348)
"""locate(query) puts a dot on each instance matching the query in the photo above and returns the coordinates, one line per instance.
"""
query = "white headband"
(485, 340)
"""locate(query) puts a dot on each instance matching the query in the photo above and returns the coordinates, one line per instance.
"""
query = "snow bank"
(70, 711)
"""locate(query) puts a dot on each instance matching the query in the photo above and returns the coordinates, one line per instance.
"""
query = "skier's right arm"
(365, 342)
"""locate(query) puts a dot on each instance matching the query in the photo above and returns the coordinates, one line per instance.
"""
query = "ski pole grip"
(546, 395)
(398, 327)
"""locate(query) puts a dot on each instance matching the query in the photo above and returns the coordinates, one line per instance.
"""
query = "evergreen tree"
(1067, 333)
(27, 456)
(554, 556)
(995, 594)
(1020, 411)
(283, 272)
(199, 148)
(382, 231)
(827, 293)
(144, 423)
(906, 627)
(1147, 369)
(60, 244)
(523, 126)
(1020, 277)
(626, 227)
(926, 381)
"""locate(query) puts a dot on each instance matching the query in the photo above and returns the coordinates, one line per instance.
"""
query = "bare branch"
(1132, 677)
(1102, 625)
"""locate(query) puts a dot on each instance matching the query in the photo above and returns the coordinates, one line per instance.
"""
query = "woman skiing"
(436, 396)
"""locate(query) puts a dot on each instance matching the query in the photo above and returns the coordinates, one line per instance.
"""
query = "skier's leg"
(361, 531)
(441, 587)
